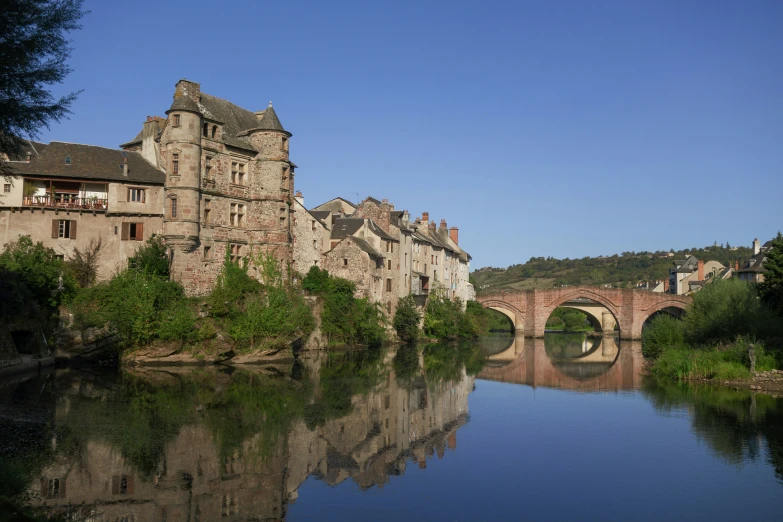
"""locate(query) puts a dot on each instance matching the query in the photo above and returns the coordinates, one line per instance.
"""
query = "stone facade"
(310, 235)
(228, 186)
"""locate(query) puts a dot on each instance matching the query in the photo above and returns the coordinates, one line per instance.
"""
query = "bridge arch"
(516, 317)
(606, 324)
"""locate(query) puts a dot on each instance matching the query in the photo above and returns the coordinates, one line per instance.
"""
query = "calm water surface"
(565, 428)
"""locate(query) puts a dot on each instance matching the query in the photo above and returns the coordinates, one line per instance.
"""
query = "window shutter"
(125, 231)
(62, 487)
(44, 488)
(115, 485)
(129, 482)
(73, 229)
(55, 228)
(139, 232)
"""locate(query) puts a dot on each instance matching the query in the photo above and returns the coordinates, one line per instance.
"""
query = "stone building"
(66, 194)
(753, 269)
(228, 184)
(310, 233)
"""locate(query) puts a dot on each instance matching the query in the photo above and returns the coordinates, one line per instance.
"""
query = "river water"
(564, 428)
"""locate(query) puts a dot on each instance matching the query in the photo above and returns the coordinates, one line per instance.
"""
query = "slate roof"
(320, 215)
(184, 103)
(367, 247)
(34, 147)
(344, 227)
(89, 162)
(270, 121)
(757, 265)
(333, 204)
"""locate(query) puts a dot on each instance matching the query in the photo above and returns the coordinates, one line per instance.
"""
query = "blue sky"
(564, 128)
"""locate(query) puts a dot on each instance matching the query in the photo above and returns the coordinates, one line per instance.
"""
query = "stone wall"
(308, 238)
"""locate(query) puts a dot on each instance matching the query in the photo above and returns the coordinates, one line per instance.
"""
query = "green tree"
(33, 52)
(771, 290)
(406, 319)
(152, 258)
(40, 270)
(84, 264)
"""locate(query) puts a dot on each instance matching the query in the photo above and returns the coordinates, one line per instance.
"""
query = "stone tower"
(181, 154)
(272, 184)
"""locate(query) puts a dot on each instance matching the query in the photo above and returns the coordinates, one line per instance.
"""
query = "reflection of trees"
(731, 422)
(445, 362)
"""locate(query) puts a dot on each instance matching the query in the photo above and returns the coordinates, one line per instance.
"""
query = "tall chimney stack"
(756, 246)
(454, 234)
(124, 166)
(443, 224)
(700, 266)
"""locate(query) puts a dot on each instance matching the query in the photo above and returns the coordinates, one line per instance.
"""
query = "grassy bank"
(725, 331)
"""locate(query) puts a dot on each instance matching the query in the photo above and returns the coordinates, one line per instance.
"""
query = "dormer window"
(176, 121)
(67, 160)
(214, 131)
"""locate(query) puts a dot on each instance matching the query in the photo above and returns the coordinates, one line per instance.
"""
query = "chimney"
(736, 265)
(423, 463)
(425, 217)
(756, 246)
(28, 156)
(454, 234)
(125, 165)
(700, 266)
(453, 440)
(188, 88)
(666, 286)
(299, 197)
(432, 225)
(443, 224)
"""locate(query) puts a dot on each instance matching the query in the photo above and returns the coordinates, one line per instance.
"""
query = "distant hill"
(624, 270)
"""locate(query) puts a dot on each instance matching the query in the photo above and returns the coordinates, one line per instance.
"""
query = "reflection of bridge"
(629, 309)
(604, 367)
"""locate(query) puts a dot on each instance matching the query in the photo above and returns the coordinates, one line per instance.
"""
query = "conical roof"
(184, 103)
(270, 121)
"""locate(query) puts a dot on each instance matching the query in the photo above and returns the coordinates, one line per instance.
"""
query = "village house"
(387, 256)
(689, 275)
(65, 195)
(753, 269)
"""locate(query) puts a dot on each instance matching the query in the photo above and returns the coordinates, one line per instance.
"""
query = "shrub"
(444, 318)
(406, 319)
(84, 265)
(151, 258)
(272, 319)
(663, 332)
(369, 323)
(231, 288)
(725, 309)
(40, 270)
(316, 281)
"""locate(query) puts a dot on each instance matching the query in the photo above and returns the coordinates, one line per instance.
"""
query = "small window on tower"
(173, 207)
(174, 164)
(176, 120)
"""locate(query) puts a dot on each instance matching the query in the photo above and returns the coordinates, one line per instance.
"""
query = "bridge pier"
(608, 323)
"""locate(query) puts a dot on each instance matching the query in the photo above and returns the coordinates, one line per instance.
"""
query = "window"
(176, 120)
(175, 164)
(406, 280)
(389, 264)
(208, 173)
(214, 131)
(132, 232)
(392, 247)
(406, 259)
(7, 189)
(173, 207)
(313, 224)
(315, 244)
(387, 245)
(67, 160)
(235, 253)
(205, 130)
(122, 485)
(388, 285)
(207, 211)
(63, 228)
(388, 311)
(237, 215)
(345, 261)
(207, 254)
(136, 195)
(53, 488)
(238, 173)
(285, 143)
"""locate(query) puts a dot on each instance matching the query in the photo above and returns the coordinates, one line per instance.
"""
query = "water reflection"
(572, 361)
(202, 444)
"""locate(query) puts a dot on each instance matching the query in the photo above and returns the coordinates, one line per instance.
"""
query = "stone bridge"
(605, 367)
(529, 310)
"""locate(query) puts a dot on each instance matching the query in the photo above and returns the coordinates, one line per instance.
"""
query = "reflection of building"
(193, 481)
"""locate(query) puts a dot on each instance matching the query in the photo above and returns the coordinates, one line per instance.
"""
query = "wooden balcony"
(66, 202)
